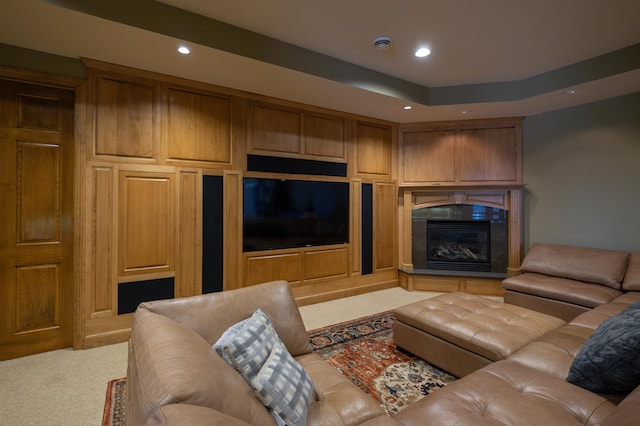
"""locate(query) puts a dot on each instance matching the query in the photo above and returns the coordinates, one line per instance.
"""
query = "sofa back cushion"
(632, 276)
(210, 315)
(169, 363)
(600, 266)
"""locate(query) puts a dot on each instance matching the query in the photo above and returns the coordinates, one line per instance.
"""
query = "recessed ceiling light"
(422, 52)
(184, 50)
(570, 92)
(408, 107)
(465, 111)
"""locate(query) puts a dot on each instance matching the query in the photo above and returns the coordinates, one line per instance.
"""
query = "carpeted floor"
(362, 350)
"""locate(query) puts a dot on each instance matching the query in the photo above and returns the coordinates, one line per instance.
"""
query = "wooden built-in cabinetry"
(473, 162)
(151, 139)
(279, 131)
(473, 152)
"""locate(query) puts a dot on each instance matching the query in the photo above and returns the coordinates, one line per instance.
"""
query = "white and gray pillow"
(255, 350)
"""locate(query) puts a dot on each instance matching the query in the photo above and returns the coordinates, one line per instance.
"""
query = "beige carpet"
(67, 387)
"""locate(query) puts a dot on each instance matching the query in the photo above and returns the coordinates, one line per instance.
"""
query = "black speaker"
(130, 295)
(212, 234)
(262, 163)
(367, 228)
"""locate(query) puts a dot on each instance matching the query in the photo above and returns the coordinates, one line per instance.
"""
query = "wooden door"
(36, 219)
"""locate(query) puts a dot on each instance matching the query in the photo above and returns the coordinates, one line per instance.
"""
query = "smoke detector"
(382, 43)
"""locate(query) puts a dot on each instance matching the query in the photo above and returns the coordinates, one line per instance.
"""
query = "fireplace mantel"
(508, 197)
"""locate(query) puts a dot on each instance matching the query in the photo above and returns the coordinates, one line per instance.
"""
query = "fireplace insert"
(459, 245)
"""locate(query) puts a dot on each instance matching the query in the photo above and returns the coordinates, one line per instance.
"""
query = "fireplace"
(466, 238)
(459, 245)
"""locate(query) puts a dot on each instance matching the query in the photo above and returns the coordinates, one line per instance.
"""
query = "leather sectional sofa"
(174, 376)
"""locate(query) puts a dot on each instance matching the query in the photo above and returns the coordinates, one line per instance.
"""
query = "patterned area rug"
(362, 350)
(115, 403)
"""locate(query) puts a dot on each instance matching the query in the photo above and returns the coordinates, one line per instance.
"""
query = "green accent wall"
(34, 60)
(581, 168)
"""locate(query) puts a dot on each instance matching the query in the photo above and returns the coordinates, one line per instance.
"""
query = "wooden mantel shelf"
(438, 187)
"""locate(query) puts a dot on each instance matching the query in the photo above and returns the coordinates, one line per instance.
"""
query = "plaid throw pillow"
(284, 386)
(247, 345)
(255, 350)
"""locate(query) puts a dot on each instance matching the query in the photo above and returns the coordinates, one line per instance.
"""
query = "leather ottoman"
(461, 332)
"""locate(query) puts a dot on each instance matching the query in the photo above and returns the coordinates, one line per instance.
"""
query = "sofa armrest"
(632, 276)
(191, 415)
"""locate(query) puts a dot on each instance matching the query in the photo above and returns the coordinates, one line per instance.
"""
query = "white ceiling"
(486, 44)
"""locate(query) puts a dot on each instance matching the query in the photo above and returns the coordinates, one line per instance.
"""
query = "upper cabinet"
(139, 117)
(280, 131)
(126, 122)
(374, 150)
(198, 127)
(464, 153)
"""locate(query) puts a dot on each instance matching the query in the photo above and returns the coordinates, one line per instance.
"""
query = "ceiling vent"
(382, 43)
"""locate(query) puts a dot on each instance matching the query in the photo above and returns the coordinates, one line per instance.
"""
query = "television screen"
(285, 213)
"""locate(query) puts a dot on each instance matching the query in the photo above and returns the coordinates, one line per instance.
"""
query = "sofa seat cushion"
(508, 393)
(626, 413)
(338, 401)
(608, 362)
(173, 364)
(563, 289)
(599, 266)
(596, 316)
(553, 353)
(483, 326)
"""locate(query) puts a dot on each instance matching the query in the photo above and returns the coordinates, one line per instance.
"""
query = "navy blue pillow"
(609, 361)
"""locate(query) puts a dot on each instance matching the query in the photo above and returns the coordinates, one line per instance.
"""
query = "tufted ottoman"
(461, 332)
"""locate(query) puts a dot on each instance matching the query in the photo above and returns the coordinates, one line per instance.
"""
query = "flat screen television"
(287, 213)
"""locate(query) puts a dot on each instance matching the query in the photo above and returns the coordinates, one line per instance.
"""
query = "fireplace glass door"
(459, 245)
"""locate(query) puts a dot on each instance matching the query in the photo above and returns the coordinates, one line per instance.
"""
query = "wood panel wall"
(150, 140)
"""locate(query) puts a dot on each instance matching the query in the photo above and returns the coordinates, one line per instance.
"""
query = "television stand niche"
(484, 283)
(298, 265)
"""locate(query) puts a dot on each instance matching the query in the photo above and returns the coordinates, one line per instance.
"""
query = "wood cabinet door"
(428, 156)
(488, 155)
(274, 131)
(373, 147)
(36, 219)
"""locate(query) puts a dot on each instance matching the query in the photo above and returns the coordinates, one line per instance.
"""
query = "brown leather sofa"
(582, 286)
(530, 386)
(565, 281)
(175, 377)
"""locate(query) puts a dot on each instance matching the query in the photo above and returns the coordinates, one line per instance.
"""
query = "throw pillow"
(255, 350)
(247, 344)
(284, 386)
(608, 362)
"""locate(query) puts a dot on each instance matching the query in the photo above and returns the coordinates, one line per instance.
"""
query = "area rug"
(115, 403)
(363, 351)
